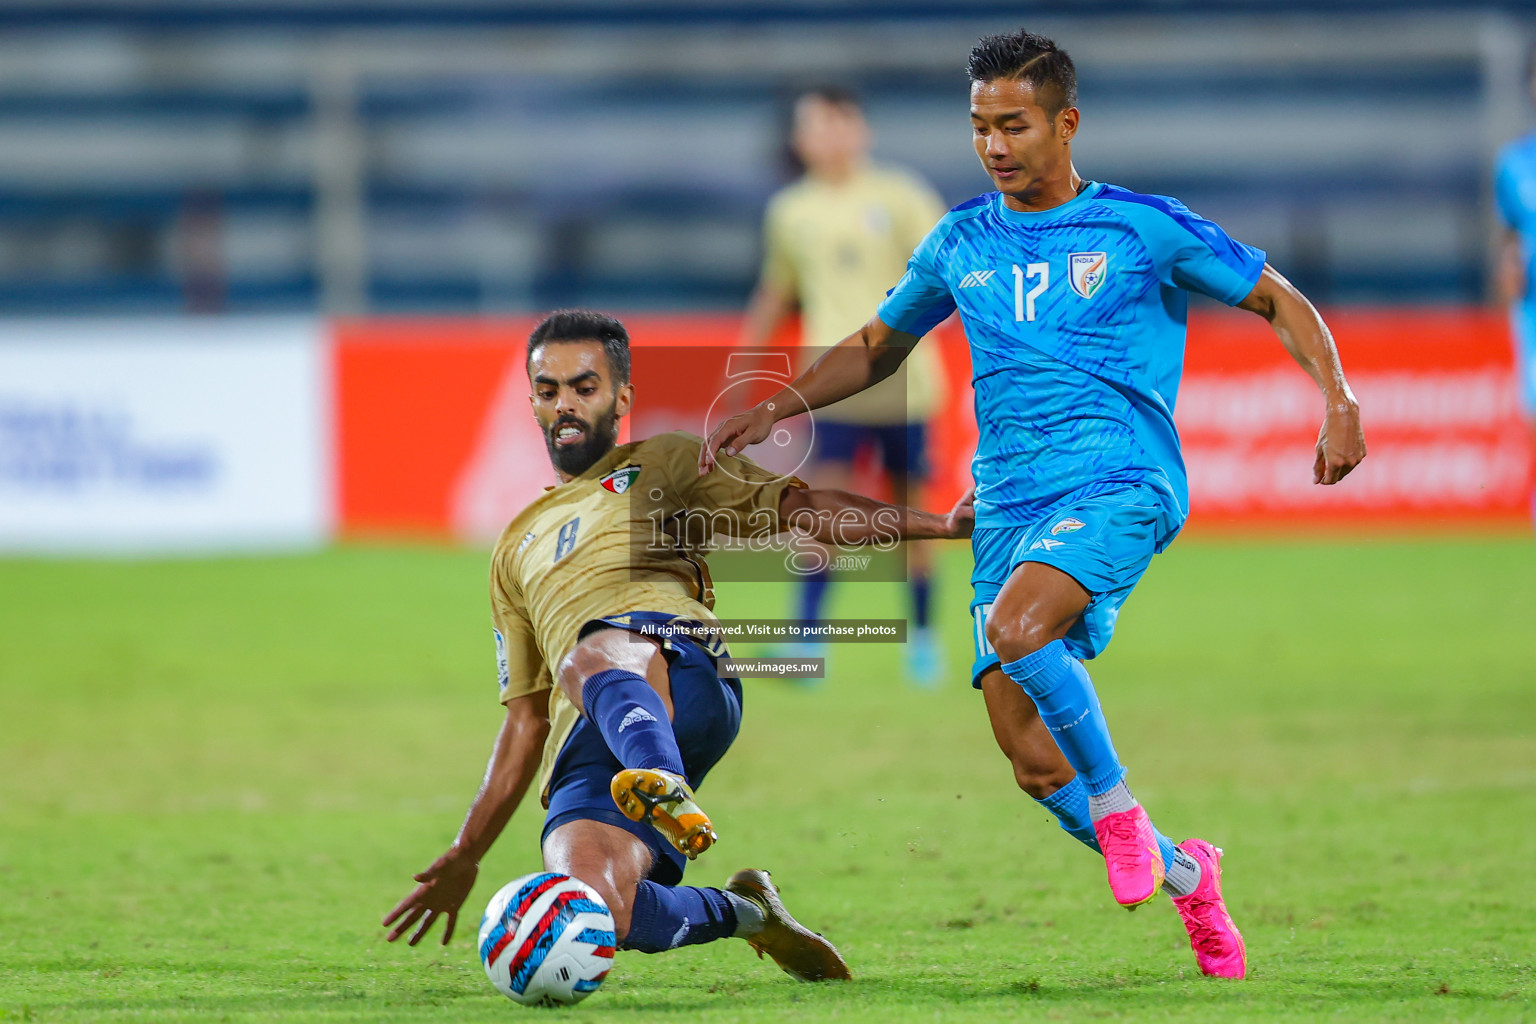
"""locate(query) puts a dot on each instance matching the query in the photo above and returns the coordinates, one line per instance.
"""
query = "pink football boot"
(1131, 856)
(1215, 939)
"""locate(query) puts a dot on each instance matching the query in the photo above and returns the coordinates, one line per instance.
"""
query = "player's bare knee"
(597, 652)
(572, 674)
(1013, 639)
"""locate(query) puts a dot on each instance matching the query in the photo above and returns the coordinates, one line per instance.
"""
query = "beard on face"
(598, 439)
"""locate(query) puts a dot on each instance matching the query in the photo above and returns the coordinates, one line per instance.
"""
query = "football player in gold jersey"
(834, 241)
(602, 606)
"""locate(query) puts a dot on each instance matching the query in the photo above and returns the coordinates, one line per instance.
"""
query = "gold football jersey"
(840, 248)
(606, 543)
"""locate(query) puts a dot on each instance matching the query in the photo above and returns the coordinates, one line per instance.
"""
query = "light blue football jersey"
(1514, 191)
(1076, 318)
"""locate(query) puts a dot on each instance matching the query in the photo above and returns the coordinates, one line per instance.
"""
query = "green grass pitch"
(216, 776)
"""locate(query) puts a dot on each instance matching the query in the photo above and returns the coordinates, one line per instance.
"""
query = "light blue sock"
(1063, 693)
(1070, 805)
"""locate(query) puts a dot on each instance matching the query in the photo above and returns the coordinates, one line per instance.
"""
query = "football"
(546, 940)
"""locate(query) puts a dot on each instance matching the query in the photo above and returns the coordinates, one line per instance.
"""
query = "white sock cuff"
(749, 916)
(1183, 875)
(1112, 801)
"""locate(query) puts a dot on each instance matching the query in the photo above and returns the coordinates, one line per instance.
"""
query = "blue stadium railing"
(561, 211)
(174, 14)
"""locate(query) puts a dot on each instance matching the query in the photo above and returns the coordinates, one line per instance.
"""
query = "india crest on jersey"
(1087, 272)
(619, 480)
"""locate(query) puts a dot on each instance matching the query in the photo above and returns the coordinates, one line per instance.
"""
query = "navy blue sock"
(1063, 693)
(1070, 805)
(813, 593)
(632, 719)
(664, 917)
(920, 589)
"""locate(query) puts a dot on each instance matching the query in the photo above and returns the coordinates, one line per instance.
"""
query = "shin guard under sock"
(1064, 696)
(632, 719)
(666, 917)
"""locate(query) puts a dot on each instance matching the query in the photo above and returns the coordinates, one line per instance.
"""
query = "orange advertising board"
(434, 435)
(412, 398)
(1438, 401)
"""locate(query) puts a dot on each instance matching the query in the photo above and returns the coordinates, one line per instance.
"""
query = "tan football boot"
(664, 800)
(799, 952)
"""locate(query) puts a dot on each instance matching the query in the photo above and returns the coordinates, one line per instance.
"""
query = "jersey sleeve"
(778, 261)
(520, 667)
(750, 493)
(737, 498)
(1506, 193)
(921, 300)
(1191, 252)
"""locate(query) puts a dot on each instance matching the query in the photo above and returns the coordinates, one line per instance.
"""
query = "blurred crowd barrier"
(214, 434)
(380, 157)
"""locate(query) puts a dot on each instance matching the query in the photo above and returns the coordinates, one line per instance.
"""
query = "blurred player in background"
(835, 241)
(1515, 196)
(608, 666)
(1073, 295)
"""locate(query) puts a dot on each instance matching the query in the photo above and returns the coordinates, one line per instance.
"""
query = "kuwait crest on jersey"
(1067, 525)
(1087, 271)
(619, 480)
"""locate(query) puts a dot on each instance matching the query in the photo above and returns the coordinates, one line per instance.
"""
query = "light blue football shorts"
(1105, 543)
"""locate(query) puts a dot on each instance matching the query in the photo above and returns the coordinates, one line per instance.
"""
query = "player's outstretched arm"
(1341, 442)
(864, 358)
(444, 886)
(848, 520)
(1509, 270)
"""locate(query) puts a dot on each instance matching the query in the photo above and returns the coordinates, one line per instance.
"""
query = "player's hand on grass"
(962, 518)
(444, 887)
(1340, 444)
(735, 434)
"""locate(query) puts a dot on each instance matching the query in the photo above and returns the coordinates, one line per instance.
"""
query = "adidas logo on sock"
(636, 714)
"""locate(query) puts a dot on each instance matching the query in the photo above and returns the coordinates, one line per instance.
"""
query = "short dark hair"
(1025, 57)
(585, 325)
(831, 92)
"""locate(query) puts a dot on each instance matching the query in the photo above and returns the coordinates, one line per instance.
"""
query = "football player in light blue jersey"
(1514, 189)
(1073, 296)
